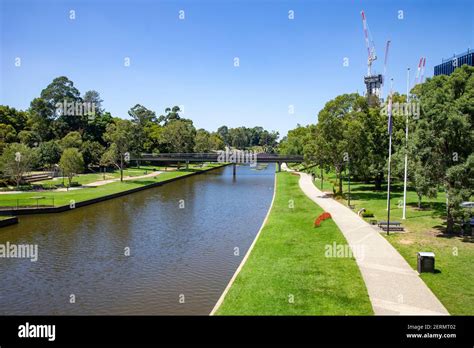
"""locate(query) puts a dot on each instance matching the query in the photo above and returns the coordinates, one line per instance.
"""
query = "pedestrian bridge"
(236, 157)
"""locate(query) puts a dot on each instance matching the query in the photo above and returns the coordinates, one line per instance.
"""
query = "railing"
(26, 203)
(212, 157)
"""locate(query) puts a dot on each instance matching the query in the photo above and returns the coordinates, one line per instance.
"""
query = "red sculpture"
(321, 218)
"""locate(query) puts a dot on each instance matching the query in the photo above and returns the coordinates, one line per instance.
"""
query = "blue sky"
(190, 62)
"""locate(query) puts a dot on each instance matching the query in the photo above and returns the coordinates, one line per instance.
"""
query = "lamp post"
(348, 181)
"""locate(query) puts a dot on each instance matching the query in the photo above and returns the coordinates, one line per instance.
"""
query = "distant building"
(448, 65)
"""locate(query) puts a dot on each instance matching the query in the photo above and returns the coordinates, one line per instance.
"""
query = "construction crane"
(372, 82)
(420, 72)
(369, 43)
(387, 47)
(423, 70)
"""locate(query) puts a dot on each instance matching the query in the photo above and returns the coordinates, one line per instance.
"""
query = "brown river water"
(181, 258)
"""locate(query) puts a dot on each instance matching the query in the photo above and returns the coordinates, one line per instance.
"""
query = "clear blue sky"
(190, 62)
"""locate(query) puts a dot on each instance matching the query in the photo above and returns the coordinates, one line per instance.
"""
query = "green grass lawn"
(453, 283)
(79, 195)
(288, 262)
(93, 177)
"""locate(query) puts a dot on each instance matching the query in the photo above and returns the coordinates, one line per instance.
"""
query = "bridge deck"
(215, 157)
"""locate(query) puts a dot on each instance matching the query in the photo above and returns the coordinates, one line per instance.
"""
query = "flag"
(389, 111)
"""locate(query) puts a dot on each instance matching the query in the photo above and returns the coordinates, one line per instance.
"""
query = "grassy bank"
(453, 283)
(288, 263)
(64, 197)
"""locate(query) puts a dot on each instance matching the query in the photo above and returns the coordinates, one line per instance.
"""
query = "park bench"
(394, 226)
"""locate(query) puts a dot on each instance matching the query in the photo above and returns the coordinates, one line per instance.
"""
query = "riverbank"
(453, 282)
(67, 200)
(7, 221)
(291, 270)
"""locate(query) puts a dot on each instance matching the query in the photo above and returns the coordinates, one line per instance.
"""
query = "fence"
(26, 203)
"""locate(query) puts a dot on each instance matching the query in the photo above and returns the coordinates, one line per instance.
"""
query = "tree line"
(61, 119)
(352, 136)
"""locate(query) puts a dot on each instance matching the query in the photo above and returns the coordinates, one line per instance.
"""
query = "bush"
(367, 214)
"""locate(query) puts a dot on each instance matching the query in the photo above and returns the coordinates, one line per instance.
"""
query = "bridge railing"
(203, 156)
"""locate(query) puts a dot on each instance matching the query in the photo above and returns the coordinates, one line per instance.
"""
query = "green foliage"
(71, 163)
(49, 153)
(442, 139)
(72, 139)
(92, 152)
(178, 136)
(16, 160)
(367, 214)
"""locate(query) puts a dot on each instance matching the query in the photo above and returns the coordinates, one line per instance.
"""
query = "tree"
(178, 136)
(49, 153)
(443, 136)
(93, 98)
(16, 160)
(42, 119)
(92, 152)
(71, 163)
(216, 142)
(172, 114)
(333, 123)
(72, 139)
(202, 141)
(61, 95)
(15, 118)
(460, 188)
(223, 131)
(142, 118)
(153, 138)
(294, 142)
(238, 137)
(268, 140)
(119, 135)
(7, 135)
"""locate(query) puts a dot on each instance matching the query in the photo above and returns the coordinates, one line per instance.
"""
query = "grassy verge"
(64, 197)
(288, 263)
(453, 283)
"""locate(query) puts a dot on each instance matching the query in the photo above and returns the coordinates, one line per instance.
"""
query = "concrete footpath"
(394, 287)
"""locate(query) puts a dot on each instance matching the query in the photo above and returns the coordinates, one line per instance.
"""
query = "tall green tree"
(71, 163)
(178, 136)
(443, 135)
(119, 135)
(16, 160)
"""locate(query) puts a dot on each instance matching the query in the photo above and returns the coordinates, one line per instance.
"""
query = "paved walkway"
(393, 286)
(125, 178)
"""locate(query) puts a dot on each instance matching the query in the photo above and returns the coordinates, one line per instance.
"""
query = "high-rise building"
(448, 65)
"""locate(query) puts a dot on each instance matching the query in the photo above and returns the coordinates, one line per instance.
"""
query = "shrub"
(367, 214)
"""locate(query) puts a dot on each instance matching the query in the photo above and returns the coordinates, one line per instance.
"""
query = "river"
(185, 241)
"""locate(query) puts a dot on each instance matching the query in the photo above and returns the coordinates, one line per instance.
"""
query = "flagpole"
(389, 154)
(406, 149)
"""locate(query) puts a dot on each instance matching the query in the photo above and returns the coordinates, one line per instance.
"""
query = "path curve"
(394, 287)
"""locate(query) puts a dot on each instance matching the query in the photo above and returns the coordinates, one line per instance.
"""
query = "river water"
(186, 239)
